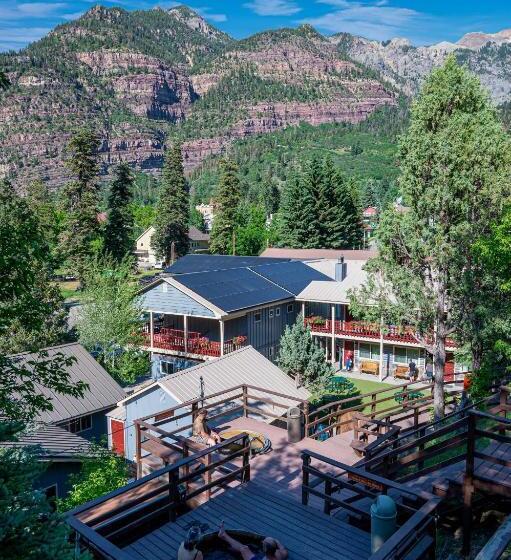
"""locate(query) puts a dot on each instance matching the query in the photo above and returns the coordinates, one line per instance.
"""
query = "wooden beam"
(498, 543)
(222, 337)
(185, 331)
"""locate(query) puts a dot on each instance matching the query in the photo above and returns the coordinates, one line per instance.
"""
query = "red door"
(449, 367)
(117, 430)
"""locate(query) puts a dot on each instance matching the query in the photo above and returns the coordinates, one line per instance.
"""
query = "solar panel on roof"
(203, 263)
(233, 289)
(293, 276)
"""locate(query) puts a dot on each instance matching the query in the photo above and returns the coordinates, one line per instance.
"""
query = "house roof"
(53, 442)
(243, 366)
(196, 235)
(208, 263)
(335, 292)
(252, 282)
(103, 390)
(311, 254)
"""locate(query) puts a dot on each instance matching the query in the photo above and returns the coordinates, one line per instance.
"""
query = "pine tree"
(81, 202)
(251, 237)
(301, 358)
(296, 223)
(270, 197)
(455, 168)
(119, 228)
(226, 209)
(172, 210)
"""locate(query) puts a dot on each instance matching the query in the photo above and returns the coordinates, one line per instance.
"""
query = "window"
(79, 424)
(257, 317)
(406, 355)
(270, 351)
(166, 367)
(277, 312)
(369, 351)
(270, 313)
(290, 307)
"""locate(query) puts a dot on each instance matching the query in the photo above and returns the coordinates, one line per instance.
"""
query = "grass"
(370, 386)
(69, 289)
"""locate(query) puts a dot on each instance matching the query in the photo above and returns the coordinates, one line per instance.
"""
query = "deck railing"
(366, 329)
(141, 506)
(195, 343)
(340, 486)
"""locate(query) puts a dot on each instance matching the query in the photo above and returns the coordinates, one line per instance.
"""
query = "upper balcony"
(366, 329)
(192, 342)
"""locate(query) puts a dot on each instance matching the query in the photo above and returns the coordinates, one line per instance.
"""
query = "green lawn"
(369, 386)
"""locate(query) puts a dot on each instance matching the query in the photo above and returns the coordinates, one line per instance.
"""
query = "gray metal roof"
(53, 442)
(244, 366)
(103, 392)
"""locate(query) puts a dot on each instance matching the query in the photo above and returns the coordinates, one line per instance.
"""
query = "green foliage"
(172, 211)
(251, 235)
(45, 209)
(454, 179)
(119, 236)
(4, 81)
(79, 239)
(102, 471)
(29, 529)
(143, 216)
(319, 210)
(31, 312)
(197, 219)
(110, 321)
(302, 359)
(227, 200)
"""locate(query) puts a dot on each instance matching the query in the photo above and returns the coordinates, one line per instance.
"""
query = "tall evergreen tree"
(44, 208)
(172, 210)
(81, 202)
(296, 224)
(270, 196)
(226, 210)
(4, 81)
(455, 172)
(119, 228)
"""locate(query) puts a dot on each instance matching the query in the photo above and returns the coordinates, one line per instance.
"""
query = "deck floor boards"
(308, 534)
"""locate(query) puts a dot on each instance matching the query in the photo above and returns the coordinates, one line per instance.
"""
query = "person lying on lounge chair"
(201, 432)
(272, 549)
(188, 549)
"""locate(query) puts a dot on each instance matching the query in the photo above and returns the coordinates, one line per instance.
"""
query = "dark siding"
(265, 335)
(235, 327)
(99, 426)
(57, 473)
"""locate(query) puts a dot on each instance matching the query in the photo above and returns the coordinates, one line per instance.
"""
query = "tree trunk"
(477, 356)
(438, 386)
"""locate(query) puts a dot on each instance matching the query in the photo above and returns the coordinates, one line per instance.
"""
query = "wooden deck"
(308, 534)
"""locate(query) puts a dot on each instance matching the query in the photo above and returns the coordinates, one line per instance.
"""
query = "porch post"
(381, 350)
(303, 311)
(222, 336)
(151, 328)
(333, 333)
(185, 331)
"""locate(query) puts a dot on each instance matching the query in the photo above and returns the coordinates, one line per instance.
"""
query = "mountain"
(405, 66)
(141, 77)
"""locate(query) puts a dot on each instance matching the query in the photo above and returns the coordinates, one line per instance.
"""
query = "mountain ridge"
(144, 78)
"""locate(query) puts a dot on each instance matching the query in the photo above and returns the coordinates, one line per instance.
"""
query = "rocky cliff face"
(406, 66)
(176, 77)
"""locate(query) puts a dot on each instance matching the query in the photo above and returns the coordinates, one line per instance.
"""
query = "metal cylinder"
(294, 425)
(383, 521)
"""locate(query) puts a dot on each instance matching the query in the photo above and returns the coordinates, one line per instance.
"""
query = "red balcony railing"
(366, 329)
(196, 343)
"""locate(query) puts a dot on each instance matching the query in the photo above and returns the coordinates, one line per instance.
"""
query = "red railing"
(196, 343)
(366, 329)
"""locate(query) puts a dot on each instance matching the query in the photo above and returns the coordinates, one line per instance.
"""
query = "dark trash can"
(294, 425)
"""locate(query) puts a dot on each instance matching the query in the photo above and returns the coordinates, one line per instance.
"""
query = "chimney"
(341, 269)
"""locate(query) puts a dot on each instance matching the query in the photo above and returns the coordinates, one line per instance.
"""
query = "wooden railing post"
(327, 506)
(208, 475)
(306, 418)
(138, 450)
(373, 405)
(246, 460)
(245, 401)
(468, 483)
(306, 461)
(422, 433)
(173, 494)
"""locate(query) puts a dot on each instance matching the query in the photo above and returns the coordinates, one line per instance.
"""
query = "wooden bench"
(370, 367)
(402, 372)
(366, 430)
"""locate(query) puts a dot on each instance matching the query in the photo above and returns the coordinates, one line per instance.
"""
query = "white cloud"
(375, 21)
(30, 9)
(273, 7)
(16, 38)
(204, 12)
(74, 15)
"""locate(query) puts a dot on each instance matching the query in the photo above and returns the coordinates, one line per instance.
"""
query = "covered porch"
(192, 336)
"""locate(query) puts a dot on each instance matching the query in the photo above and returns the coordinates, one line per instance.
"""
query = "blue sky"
(422, 21)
